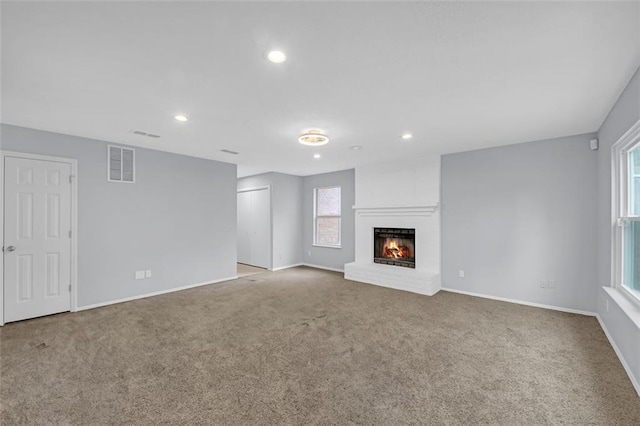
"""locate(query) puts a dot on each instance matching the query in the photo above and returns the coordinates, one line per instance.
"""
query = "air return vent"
(228, 151)
(149, 135)
(121, 167)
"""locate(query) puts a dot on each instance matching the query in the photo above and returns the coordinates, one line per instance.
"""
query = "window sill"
(631, 309)
(320, 245)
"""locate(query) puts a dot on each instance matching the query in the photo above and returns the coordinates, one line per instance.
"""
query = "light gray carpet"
(304, 346)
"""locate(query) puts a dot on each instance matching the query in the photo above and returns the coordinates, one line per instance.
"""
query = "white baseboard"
(623, 361)
(280, 268)
(310, 265)
(522, 302)
(155, 293)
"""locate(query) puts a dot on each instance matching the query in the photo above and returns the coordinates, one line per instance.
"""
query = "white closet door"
(261, 228)
(254, 227)
(244, 227)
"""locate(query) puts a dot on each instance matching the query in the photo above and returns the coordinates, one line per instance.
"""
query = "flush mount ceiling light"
(313, 138)
(316, 156)
(276, 56)
(407, 136)
(181, 117)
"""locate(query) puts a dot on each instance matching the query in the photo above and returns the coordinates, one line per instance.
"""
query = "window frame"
(316, 217)
(620, 209)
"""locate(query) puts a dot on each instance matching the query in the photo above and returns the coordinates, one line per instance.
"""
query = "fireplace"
(394, 246)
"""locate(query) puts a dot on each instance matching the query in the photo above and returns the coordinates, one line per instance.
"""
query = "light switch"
(147, 273)
(139, 275)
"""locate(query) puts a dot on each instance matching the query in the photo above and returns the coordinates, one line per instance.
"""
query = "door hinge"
(69, 287)
(70, 178)
(69, 234)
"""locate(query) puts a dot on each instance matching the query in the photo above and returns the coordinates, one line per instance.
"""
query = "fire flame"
(393, 250)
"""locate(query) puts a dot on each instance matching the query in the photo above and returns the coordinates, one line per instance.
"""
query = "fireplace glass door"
(394, 246)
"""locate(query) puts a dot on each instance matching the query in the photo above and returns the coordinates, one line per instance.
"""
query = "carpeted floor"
(246, 270)
(304, 346)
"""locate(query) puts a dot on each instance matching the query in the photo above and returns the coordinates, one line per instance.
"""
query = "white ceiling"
(459, 76)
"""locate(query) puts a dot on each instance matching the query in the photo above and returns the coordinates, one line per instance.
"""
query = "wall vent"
(121, 164)
(228, 151)
(149, 135)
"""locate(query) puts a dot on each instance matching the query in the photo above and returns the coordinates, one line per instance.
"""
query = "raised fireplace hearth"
(395, 247)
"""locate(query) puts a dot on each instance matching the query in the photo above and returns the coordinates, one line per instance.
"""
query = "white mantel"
(415, 204)
(422, 210)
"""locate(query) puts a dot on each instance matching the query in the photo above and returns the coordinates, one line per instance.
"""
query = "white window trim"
(619, 207)
(315, 218)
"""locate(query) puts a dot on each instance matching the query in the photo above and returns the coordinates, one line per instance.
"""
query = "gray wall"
(172, 220)
(620, 327)
(286, 211)
(327, 257)
(518, 214)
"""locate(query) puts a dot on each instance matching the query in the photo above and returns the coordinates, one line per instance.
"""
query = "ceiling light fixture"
(181, 117)
(313, 138)
(407, 136)
(276, 56)
(316, 156)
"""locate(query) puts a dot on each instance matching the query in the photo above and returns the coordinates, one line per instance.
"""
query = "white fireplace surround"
(424, 218)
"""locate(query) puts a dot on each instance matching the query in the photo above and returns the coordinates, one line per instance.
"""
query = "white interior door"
(37, 238)
(254, 227)
(261, 228)
(244, 227)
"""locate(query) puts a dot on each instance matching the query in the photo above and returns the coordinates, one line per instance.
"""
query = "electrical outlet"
(147, 273)
(139, 275)
(461, 273)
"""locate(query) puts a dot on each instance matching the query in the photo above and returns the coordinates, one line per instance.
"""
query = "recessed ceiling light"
(181, 117)
(355, 147)
(407, 136)
(313, 138)
(316, 156)
(276, 56)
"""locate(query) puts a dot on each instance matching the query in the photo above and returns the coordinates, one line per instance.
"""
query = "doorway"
(38, 236)
(254, 227)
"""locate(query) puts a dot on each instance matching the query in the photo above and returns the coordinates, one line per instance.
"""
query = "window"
(626, 209)
(327, 216)
(121, 164)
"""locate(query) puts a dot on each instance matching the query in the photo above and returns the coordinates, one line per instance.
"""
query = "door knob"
(11, 248)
